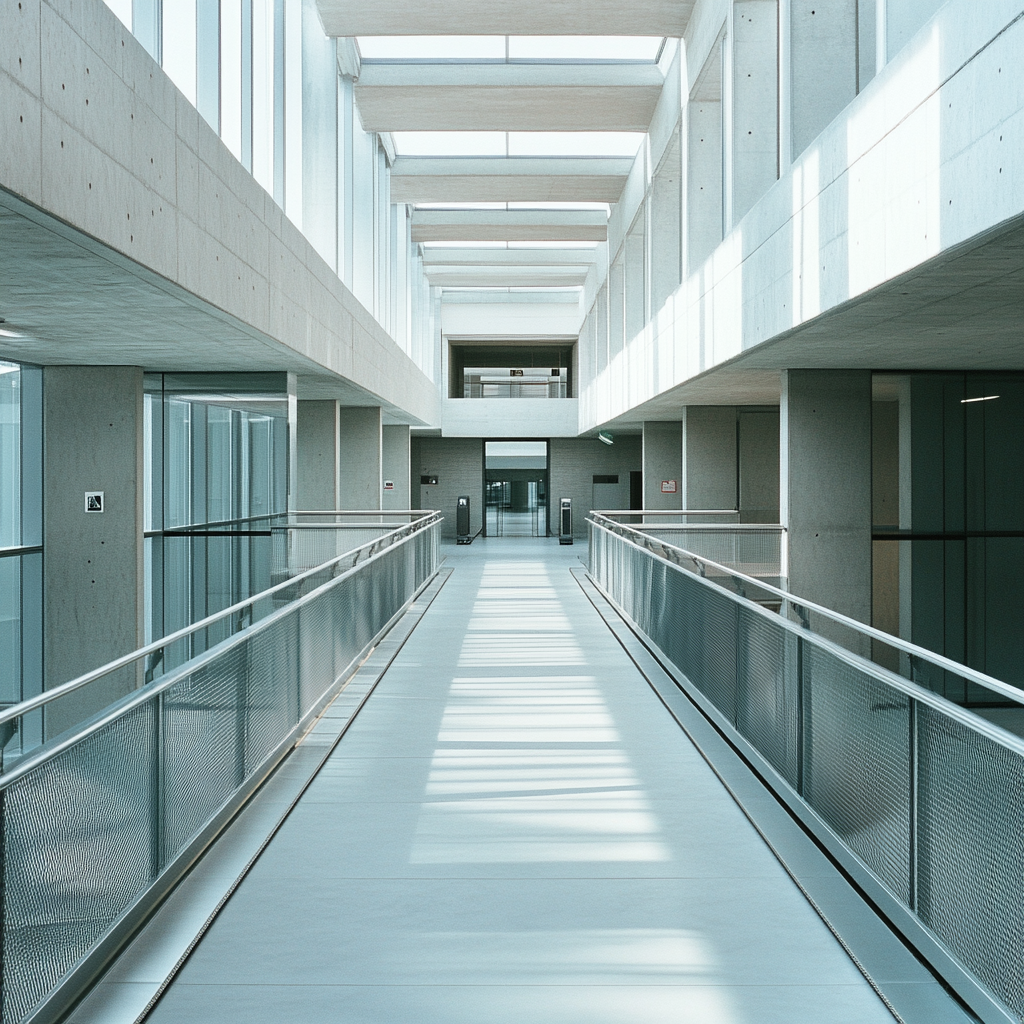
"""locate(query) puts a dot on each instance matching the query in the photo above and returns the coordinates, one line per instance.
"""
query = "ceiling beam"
(505, 17)
(507, 97)
(508, 179)
(472, 257)
(509, 226)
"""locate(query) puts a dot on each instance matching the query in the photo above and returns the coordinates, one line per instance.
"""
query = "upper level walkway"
(515, 828)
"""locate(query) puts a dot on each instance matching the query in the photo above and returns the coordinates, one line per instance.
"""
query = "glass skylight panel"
(585, 48)
(552, 245)
(608, 144)
(449, 143)
(464, 245)
(432, 48)
(461, 206)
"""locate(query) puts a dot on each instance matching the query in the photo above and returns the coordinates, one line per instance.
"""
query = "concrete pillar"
(397, 459)
(317, 455)
(822, 64)
(93, 579)
(360, 456)
(754, 155)
(709, 457)
(663, 462)
(825, 487)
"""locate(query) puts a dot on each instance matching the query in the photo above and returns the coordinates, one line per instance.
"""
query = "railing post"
(913, 872)
(158, 805)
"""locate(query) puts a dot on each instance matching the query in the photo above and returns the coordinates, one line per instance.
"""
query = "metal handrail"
(269, 517)
(157, 646)
(801, 606)
(669, 512)
(120, 708)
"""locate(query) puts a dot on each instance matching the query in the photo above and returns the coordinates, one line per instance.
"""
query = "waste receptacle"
(462, 531)
(565, 520)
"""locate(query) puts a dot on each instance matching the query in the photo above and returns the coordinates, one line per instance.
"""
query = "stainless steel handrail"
(601, 520)
(157, 646)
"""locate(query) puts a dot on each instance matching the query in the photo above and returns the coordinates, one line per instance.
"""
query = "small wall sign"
(515, 373)
(428, 481)
(668, 487)
(389, 485)
(93, 501)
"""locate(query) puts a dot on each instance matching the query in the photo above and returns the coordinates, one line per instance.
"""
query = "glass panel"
(431, 48)
(10, 455)
(585, 48)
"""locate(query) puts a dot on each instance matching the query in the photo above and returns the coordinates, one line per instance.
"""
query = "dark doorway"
(515, 488)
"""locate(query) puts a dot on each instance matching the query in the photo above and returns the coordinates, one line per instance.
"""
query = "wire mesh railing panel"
(755, 552)
(857, 763)
(78, 846)
(767, 692)
(927, 800)
(203, 744)
(269, 703)
(970, 837)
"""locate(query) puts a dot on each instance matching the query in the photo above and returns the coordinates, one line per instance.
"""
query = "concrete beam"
(508, 179)
(509, 226)
(507, 277)
(507, 97)
(505, 17)
(127, 226)
(470, 257)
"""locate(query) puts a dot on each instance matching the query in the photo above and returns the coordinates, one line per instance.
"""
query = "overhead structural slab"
(509, 226)
(518, 257)
(508, 179)
(507, 97)
(506, 277)
(505, 17)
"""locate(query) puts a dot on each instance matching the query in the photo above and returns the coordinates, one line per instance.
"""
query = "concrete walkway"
(515, 831)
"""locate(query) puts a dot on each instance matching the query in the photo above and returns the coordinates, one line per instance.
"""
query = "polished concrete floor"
(515, 830)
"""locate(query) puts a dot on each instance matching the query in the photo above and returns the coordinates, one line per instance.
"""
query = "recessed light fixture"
(9, 334)
(963, 401)
(605, 437)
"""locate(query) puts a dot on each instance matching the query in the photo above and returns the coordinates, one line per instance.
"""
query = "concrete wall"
(396, 466)
(526, 417)
(359, 457)
(662, 460)
(93, 580)
(709, 457)
(317, 455)
(97, 135)
(573, 464)
(758, 452)
(458, 464)
(841, 222)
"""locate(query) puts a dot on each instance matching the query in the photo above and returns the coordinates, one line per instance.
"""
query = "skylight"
(512, 49)
(555, 144)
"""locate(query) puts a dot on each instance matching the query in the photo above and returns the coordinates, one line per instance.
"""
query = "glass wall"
(21, 558)
(218, 449)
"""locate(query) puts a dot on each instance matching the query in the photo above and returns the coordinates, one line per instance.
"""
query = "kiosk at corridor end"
(565, 520)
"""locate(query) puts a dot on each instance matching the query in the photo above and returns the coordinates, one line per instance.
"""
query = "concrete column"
(93, 578)
(825, 486)
(823, 65)
(754, 78)
(397, 459)
(709, 457)
(663, 461)
(704, 163)
(318, 454)
(360, 457)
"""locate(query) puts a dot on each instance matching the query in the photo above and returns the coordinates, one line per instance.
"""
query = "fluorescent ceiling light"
(609, 144)
(585, 48)
(436, 48)
(986, 398)
(605, 437)
(9, 334)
